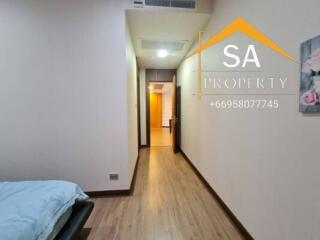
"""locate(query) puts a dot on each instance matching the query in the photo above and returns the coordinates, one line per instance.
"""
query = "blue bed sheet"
(30, 209)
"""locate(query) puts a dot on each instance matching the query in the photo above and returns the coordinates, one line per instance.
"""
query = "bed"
(42, 210)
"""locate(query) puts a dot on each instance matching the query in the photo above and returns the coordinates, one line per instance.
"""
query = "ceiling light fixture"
(162, 53)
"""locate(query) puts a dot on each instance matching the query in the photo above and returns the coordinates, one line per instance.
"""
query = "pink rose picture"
(313, 62)
(309, 97)
(309, 101)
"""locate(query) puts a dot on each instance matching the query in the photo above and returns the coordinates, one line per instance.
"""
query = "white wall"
(132, 102)
(143, 114)
(263, 164)
(63, 92)
(166, 104)
(205, 6)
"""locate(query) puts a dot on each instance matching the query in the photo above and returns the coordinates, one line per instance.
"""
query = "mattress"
(60, 224)
(31, 209)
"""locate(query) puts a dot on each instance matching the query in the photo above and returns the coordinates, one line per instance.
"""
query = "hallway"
(161, 137)
(169, 203)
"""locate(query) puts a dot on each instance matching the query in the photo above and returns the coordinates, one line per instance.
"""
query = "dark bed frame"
(80, 214)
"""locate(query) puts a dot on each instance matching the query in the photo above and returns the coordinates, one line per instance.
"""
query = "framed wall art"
(310, 76)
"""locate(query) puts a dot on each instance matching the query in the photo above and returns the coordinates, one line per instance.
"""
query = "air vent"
(138, 3)
(156, 45)
(172, 3)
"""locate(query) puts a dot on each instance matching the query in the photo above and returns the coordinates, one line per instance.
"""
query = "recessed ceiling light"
(162, 53)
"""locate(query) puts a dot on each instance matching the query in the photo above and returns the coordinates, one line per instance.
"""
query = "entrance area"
(161, 101)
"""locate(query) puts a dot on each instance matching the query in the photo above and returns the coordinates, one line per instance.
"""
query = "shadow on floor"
(85, 232)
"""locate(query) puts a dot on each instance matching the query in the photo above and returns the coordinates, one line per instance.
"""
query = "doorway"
(160, 109)
(162, 117)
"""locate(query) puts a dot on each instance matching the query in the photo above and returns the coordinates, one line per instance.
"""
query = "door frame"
(138, 105)
(178, 115)
(148, 107)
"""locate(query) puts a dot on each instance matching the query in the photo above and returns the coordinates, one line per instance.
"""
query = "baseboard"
(227, 210)
(115, 193)
(143, 146)
(109, 193)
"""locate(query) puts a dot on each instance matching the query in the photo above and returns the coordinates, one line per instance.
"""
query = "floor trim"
(143, 146)
(113, 193)
(224, 206)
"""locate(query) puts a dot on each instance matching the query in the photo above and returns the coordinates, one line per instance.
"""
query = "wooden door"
(155, 110)
(174, 119)
(178, 118)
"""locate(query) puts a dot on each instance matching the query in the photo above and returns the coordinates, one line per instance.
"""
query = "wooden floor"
(161, 137)
(169, 203)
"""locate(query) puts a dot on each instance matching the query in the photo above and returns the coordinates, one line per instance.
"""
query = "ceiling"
(161, 87)
(153, 30)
